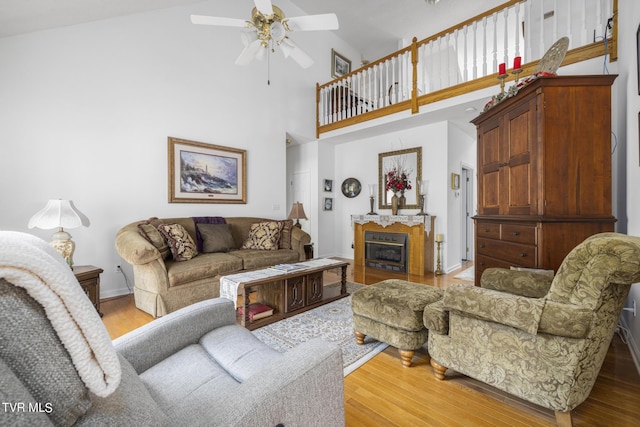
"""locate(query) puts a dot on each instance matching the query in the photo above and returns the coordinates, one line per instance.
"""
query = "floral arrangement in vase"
(397, 180)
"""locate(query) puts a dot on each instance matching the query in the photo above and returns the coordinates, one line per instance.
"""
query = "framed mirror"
(408, 161)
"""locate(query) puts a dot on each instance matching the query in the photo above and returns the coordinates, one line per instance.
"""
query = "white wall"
(86, 111)
(628, 140)
(359, 159)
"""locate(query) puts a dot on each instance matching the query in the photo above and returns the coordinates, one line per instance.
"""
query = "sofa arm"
(148, 345)
(436, 318)
(134, 248)
(512, 310)
(304, 387)
(299, 238)
(523, 283)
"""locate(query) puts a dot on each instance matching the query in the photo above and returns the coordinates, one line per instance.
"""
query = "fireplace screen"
(387, 251)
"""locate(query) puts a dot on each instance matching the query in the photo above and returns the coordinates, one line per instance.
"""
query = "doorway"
(466, 217)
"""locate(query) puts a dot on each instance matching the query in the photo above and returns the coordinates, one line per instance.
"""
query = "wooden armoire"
(544, 172)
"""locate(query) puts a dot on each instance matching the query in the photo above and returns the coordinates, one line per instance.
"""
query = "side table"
(308, 250)
(89, 278)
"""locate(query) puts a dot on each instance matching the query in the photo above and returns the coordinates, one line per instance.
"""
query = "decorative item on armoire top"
(297, 213)
(60, 214)
(351, 187)
(547, 67)
(397, 170)
(372, 192)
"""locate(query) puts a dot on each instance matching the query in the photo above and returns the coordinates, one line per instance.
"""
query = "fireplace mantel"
(417, 227)
(386, 220)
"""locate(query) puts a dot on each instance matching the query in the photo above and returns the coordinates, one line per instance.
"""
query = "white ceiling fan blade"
(249, 53)
(327, 21)
(264, 6)
(216, 20)
(290, 49)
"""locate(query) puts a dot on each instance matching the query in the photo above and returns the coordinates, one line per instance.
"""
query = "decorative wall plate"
(351, 187)
(552, 59)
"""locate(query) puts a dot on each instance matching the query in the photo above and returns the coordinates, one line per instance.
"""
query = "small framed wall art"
(328, 204)
(340, 65)
(455, 181)
(328, 185)
(206, 173)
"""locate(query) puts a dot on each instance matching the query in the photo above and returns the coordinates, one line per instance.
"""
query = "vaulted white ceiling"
(373, 27)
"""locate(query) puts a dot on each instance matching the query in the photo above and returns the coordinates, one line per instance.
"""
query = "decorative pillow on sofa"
(205, 220)
(183, 248)
(149, 230)
(216, 237)
(285, 234)
(264, 236)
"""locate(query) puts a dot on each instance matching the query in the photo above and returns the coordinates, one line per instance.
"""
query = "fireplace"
(387, 251)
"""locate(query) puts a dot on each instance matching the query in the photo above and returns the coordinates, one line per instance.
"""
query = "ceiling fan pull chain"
(268, 67)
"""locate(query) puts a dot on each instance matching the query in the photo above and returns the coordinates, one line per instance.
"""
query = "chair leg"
(406, 356)
(563, 419)
(438, 370)
(359, 337)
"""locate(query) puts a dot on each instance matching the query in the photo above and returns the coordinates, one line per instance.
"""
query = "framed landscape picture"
(340, 65)
(206, 173)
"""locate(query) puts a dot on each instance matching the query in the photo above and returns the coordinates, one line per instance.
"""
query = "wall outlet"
(117, 269)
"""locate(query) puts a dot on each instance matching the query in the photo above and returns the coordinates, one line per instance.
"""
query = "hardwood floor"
(383, 393)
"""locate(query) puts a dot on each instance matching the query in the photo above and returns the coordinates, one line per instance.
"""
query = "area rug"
(467, 274)
(332, 322)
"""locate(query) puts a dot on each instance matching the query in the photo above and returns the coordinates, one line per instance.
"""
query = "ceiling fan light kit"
(269, 28)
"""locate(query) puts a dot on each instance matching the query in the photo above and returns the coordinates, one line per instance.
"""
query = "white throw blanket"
(30, 263)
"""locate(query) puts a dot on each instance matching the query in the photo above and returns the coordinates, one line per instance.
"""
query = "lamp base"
(62, 243)
(297, 224)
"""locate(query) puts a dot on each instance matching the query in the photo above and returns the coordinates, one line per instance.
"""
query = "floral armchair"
(542, 339)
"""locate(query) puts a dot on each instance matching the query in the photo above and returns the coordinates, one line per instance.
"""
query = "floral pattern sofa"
(179, 261)
(542, 339)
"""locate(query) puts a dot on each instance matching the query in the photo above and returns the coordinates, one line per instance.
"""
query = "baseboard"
(114, 293)
(633, 345)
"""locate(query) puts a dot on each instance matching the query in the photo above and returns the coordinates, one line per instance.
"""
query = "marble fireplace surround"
(418, 227)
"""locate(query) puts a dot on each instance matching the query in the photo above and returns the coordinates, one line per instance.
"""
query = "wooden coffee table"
(288, 293)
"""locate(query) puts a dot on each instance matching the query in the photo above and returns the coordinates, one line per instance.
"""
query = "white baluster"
(569, 23)
(484, 46)
(432, 75)
(599, 22)
(506, 38)
(583, 35)
(380, 86)
(369, 88)
(555, 20)
(465, 76)
(527, 28)
(385, 96)
(392, 92)
(517, 30)
(475, 50)
(495, 42)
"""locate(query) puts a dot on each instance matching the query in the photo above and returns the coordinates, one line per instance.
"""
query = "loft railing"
(466, 57)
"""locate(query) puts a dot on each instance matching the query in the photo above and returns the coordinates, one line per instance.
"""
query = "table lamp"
(297, 213)
(60, 214)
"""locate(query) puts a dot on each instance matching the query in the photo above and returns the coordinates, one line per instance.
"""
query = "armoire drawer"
(517, 254)
(519, 233)
(488, 229)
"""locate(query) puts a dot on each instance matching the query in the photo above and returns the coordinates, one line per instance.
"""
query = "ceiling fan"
(268, 28)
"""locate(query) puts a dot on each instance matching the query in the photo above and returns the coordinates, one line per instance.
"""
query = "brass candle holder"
(516, 72)
(502, 78)
(439, 239)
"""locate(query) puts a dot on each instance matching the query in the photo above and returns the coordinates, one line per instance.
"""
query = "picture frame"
(411, 160)
(455, 181)
(328, 204)
(206, 173)
(328, 185)
(340, 65)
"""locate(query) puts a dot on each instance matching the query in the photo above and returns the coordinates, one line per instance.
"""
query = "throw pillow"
(205, 220)
(183, 248)
(285, 234)
(216, 237)
(149, 230)
(263, 236)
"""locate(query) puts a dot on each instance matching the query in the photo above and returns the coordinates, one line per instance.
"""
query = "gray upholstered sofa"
(193, 367)
(163, 285)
